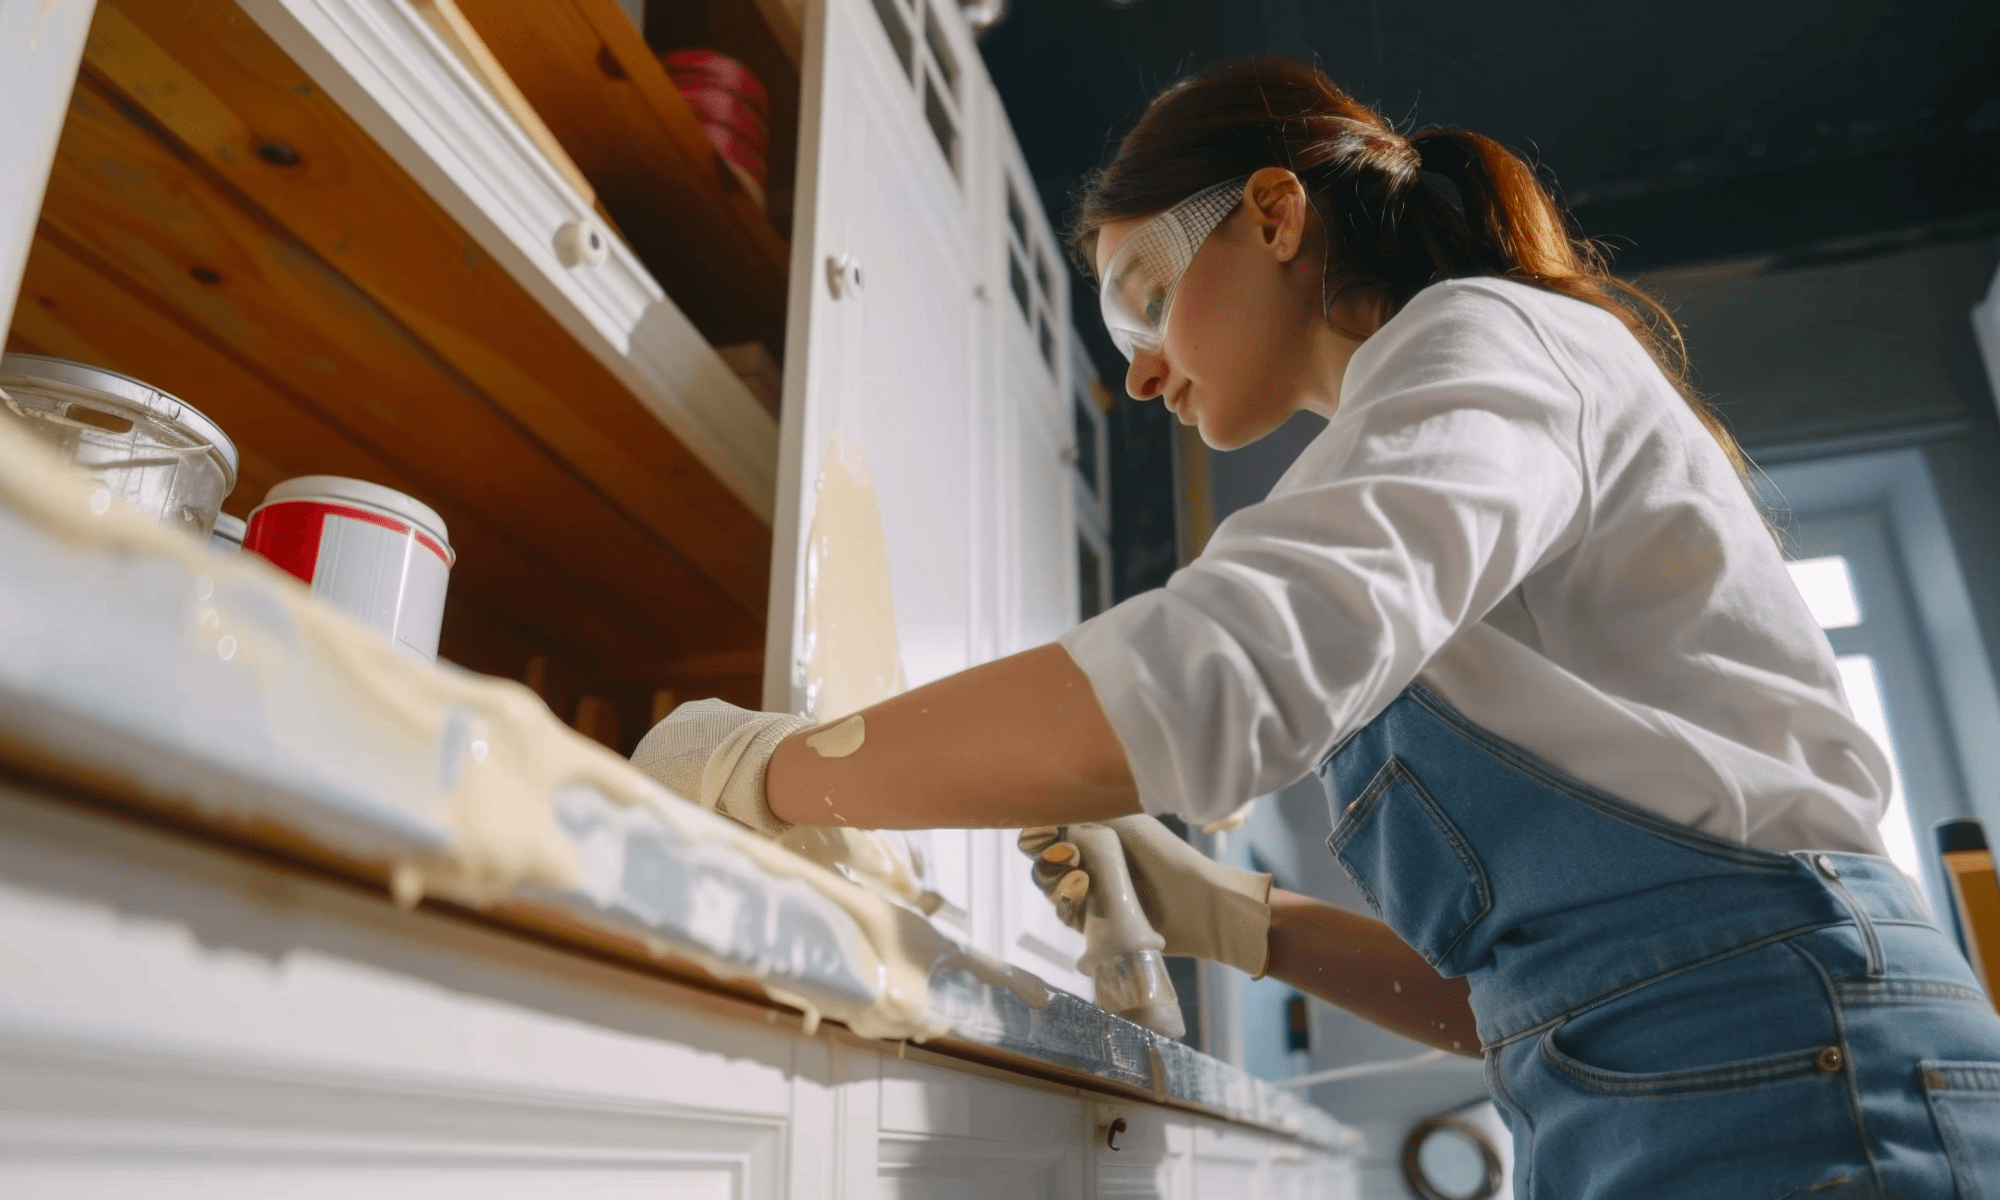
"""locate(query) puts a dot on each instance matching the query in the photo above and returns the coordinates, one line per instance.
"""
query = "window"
(947, 66)
(1085, 420)
(1089, 465)
(939, 119)
(1827, 584)
(898, 29)
(1027, 255)
(1089, 578)
(931, 68)
(1901, 585)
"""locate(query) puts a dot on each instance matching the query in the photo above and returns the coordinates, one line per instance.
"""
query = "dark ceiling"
(1685, 131)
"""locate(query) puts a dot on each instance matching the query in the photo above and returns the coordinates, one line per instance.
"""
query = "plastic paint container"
(371, 550)
(148, 449)
(228, 533)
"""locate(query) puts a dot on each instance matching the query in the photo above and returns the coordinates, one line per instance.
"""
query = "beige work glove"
(1200, 907)
(717, 754)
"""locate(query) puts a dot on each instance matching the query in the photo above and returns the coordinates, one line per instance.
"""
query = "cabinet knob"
(581, 243)
(843, 275)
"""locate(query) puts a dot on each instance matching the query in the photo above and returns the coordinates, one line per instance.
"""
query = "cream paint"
(512, 758)
(852, 660)
(841, 738)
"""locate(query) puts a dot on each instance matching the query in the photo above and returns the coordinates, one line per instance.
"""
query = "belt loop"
(1823, 867)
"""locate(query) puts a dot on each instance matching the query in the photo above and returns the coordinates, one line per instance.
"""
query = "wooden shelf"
(600, 89)
(216, 225)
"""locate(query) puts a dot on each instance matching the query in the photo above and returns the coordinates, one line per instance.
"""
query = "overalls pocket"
(1792, 1066)
(1965, 1106)
(1401, 849)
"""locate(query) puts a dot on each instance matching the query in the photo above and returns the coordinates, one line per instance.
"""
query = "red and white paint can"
(371, 550)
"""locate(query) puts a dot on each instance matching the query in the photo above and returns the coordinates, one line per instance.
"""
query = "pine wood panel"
(598, 86)
(219, 89)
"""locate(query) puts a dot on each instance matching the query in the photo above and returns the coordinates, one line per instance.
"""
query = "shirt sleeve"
(1450, 472)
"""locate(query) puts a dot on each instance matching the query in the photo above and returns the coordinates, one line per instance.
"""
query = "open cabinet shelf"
(217, 225)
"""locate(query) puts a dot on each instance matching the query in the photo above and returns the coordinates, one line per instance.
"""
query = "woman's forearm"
(1361, 965)
(1022, 741)
(1016, 742)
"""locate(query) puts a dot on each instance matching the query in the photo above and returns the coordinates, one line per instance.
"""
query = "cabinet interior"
(217, 226)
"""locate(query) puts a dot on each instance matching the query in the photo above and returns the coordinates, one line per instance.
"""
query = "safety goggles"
(1140, 280)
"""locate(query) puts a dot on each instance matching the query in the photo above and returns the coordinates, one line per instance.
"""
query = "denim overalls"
(1664, 1013)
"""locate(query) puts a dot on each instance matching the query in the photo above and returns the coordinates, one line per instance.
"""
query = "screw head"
(278, 154)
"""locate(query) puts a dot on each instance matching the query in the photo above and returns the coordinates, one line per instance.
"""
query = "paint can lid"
(338, 489)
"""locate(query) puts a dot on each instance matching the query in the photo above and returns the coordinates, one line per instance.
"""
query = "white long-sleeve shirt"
(1514, 505)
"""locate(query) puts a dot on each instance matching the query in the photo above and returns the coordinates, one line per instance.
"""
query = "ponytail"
(1390, 223)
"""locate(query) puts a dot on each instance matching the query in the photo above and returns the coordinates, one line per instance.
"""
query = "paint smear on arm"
(840, 739)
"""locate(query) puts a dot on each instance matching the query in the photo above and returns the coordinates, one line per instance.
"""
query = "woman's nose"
(1147, 375)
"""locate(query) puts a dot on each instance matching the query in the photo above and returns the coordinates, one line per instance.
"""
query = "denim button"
(1831, 1059)
(1825, 866)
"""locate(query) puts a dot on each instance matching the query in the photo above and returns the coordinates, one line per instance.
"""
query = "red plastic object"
(729, 110)
(730, 145)
(731, 104)
(689, 67)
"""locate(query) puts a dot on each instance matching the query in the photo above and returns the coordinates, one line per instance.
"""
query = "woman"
(1516, 608)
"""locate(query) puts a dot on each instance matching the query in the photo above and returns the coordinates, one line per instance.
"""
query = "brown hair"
(1389, 225)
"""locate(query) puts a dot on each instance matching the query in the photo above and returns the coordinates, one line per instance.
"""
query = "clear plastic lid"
(16, 369)
(147, 448)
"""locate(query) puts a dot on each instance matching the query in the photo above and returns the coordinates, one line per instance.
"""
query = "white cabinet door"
(916, 460)
(880, 475)
(41, 43)
(1141, 1153)
(1038, 482)
(177, 1021)
(876, 539)
(953, 1135)
(1028, 324)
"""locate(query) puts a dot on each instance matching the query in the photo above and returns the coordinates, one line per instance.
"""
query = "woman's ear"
(1277, 205)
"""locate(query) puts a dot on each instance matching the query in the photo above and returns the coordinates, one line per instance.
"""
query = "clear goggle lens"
(1140, 280)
